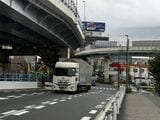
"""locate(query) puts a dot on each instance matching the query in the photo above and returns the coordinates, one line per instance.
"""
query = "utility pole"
(140, 77)
(127, 56)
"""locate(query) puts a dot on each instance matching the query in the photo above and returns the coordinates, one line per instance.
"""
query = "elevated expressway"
(133, 51)
(39, 27)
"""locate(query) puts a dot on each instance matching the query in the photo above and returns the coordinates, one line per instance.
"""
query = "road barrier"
(111, 109)
(32, 76)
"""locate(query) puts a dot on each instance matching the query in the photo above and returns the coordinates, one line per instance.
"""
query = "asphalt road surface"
(37, 104)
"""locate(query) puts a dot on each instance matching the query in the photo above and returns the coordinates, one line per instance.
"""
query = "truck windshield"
(65, 71)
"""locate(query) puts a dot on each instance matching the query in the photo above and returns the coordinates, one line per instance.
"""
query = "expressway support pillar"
(106, 70)
(65, 53)
(4, 62)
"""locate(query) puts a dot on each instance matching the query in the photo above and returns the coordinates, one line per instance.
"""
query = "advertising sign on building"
(94, 26)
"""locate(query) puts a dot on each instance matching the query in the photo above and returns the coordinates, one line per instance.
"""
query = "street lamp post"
(77, 8)
(84, 2)
(127, 56)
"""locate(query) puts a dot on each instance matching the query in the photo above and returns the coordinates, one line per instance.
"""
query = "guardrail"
(148, 88)
(111, 109)
(23, 77)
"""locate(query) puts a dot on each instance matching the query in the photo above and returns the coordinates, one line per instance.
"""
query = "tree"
(154, 68)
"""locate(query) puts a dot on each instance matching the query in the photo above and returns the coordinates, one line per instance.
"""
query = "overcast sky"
(140, 19)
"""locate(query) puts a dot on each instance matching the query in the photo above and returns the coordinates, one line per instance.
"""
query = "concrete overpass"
(118, 51)
(39, 27)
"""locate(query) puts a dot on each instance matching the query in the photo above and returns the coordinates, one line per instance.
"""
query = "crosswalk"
(103, 88)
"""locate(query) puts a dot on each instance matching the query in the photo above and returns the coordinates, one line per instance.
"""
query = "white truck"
(72, 75)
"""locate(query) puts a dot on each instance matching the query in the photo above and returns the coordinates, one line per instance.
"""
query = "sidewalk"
(138, 107)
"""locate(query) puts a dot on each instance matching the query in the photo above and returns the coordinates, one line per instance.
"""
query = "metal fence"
(111, 109)
(35, 76)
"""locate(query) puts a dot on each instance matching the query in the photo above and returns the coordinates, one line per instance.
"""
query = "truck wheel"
(89, 87)
(77, 91)
(86, 89)
(55, 91)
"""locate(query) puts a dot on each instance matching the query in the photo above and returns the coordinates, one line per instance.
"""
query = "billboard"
(94, 26)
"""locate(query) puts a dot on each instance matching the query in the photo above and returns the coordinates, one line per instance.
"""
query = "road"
(35, 104)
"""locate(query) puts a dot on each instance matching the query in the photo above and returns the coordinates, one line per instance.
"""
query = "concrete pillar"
(4, 62)
(106, 70)
(63, 53)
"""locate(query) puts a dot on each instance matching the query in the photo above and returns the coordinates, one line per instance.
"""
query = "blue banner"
(94, 26)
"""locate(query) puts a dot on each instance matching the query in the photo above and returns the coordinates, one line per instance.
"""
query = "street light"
(84, 10)
(77, 8)
(127, 56)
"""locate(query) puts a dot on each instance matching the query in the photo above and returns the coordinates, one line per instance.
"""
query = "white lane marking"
(107, 88)
(29, 106)
(24, 94)
(55, 99)
(3, 98)
(17, 96)
(104, 88)
(62, 100)
(75, 96)
(52, 103)
(86, 118)
(110, 88)
(99, 106)
(11, 96)
(39, 107)
(21, 112)
(69, 98)
(103, 103)
(108, 98)
(93, 112)
(80, 95)
(9, 112)
(46, 102)
(35, 93)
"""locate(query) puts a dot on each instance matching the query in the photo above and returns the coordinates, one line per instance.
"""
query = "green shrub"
(144, 84)
(128, 90)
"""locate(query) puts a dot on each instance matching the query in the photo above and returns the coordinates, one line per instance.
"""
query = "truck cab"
(66, 76)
